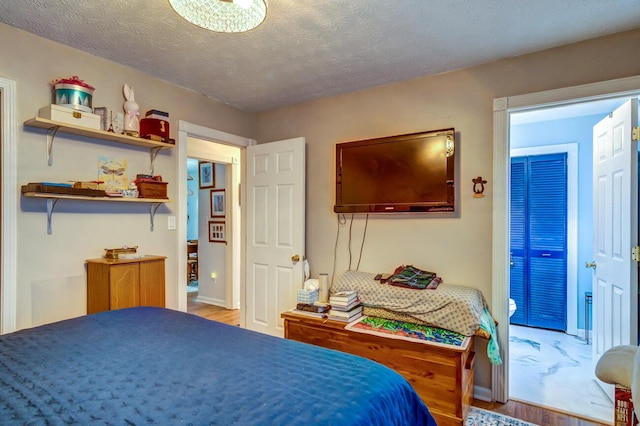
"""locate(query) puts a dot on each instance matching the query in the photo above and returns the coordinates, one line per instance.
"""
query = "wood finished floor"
(519, 410)
(216, 313)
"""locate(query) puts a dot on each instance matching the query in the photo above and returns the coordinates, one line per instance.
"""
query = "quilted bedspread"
(152, 365)
(451, 307)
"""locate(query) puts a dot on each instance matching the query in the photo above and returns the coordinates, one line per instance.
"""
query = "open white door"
(615, 210)
(275, 246)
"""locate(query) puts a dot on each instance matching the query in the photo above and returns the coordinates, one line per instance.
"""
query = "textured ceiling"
(308, 49)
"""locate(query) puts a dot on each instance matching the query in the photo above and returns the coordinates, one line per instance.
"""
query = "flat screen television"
(406, 173)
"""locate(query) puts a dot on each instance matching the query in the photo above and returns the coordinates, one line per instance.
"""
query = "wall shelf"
(52, 199)
(52, 127)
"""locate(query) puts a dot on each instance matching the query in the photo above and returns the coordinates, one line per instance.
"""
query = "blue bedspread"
(157, 366)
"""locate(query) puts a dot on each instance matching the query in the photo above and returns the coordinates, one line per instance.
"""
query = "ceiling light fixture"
(225, 16)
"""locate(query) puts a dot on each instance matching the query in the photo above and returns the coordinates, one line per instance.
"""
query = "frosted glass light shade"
(226, 16)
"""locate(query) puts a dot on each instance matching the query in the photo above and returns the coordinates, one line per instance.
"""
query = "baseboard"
(482, 393)
(582, 334)
(211, 301)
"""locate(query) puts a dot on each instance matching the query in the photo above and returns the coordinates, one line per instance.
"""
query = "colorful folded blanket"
(411, 277)
(408, 331)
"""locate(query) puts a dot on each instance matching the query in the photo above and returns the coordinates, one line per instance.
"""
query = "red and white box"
(154, 129)
(624, 412)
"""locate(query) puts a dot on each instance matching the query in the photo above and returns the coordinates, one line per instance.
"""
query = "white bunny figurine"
(131, 109)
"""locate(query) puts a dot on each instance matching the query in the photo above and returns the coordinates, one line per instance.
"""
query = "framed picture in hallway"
(217, 199)
(217, 230)
(207, 179)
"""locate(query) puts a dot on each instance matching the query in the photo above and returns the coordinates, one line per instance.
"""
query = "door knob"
(295, 258)
(591, 264)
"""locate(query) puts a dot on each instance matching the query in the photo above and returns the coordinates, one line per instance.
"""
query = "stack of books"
(345, 306)
(315, 310)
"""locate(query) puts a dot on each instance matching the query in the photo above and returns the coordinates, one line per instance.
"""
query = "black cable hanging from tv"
(364, 236)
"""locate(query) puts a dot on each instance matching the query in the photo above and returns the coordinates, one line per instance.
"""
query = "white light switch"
(171, 222)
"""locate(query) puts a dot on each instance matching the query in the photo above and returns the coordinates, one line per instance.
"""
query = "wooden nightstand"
(125, 283)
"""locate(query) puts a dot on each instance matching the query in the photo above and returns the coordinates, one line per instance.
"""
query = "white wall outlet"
(171, 222)
(214, 275)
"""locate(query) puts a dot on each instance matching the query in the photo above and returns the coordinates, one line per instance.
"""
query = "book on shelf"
(345, 314)
(89, 184)
(345, 319)
(339, 306)
(60, 184)
(309, 314)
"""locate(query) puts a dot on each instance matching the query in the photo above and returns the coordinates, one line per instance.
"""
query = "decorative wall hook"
(478, 187)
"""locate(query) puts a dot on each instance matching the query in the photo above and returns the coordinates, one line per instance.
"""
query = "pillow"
(616, 365)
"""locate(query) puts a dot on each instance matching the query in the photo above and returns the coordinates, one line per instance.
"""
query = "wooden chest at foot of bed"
(442, 375)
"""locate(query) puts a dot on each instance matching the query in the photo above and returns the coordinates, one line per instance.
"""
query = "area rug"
(479, 417)
(408, 331)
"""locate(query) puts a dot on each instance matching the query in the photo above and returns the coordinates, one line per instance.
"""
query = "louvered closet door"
(541, 213)
(518, 238)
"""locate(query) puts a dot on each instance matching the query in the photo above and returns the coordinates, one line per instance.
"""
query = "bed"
(154, 365)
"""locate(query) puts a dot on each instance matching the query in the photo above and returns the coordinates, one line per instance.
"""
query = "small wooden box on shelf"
(152, 189)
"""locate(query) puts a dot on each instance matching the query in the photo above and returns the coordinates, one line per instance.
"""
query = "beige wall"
(459, 249)
(51, 268)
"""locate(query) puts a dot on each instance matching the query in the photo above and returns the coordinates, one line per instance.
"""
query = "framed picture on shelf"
(102, 112)
(217, 230)
(207, 179)
(113, 172)
(217, 199)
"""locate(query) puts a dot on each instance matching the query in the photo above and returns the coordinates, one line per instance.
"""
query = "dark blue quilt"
(158, 366)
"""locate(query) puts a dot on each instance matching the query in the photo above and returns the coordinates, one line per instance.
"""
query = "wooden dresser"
(125, 283)
(443, 376)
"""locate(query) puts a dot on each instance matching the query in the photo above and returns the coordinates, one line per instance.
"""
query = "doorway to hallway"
(204, 144)
(538, 359)
(212, 217)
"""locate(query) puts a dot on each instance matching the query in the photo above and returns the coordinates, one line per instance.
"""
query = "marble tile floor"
(554, 370)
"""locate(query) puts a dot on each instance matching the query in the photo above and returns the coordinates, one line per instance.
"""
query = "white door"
(615, 203)
(275, 245)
